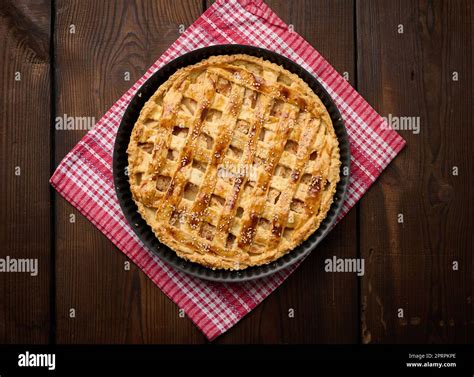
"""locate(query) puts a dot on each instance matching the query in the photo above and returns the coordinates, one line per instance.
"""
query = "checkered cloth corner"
(84, 177)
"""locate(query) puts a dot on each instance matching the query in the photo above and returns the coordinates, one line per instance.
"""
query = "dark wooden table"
(407, 58)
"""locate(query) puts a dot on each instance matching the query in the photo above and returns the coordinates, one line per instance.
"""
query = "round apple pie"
(233, 162)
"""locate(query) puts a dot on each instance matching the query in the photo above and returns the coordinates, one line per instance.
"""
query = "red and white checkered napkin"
(84, 177)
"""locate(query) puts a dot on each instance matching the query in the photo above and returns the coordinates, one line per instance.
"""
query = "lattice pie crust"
(233, 162)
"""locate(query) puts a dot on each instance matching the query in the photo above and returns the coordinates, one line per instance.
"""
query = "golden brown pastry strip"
(221, 144)
(225, 221)
(259, 195)
(277, 91)
(280, 215)
(173, 193)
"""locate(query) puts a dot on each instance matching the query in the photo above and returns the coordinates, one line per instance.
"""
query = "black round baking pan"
(143, 230)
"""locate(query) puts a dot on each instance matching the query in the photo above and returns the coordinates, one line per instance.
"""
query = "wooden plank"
(410, 264)
(111, 38)
(325, 305)
(25, 198)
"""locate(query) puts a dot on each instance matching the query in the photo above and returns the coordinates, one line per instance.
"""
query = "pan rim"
(144, 231)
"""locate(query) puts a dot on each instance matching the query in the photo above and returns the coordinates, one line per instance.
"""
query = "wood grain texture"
(25, 144)
(409, 264)
(325, 304)
(111, 38)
